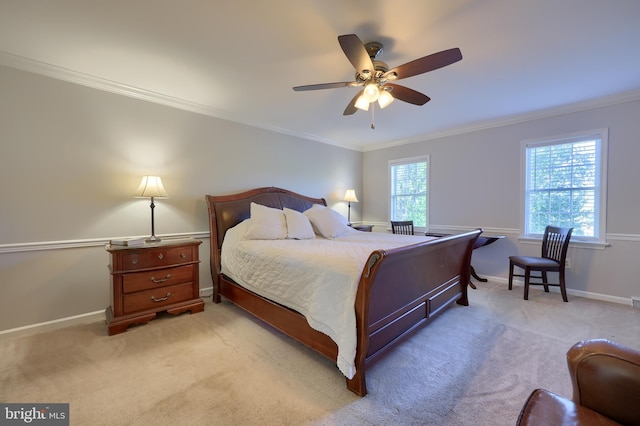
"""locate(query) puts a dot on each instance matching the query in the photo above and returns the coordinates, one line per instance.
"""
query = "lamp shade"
(385, 98)
(371, 92)
(151, 187)
(362, 103)
(350, 196)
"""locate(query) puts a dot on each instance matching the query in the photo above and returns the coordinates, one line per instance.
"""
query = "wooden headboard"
(226, 211)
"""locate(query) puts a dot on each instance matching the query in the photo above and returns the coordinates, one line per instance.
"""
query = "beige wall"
(72, 156)
(476, 182)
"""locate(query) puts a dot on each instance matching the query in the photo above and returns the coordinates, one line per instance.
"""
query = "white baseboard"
(586, 294)
(207, 292)
(42, 327)
(87, 318)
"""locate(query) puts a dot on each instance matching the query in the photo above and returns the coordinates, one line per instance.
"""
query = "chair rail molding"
(90, 242)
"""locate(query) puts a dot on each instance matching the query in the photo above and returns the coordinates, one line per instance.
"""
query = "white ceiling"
(239, 59)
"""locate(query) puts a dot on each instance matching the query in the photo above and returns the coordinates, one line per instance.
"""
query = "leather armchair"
(606, 389)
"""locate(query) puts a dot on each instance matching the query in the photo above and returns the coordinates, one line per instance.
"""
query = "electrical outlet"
(567, 263)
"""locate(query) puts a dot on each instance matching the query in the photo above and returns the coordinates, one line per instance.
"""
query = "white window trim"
(408, 160)
(603, 135)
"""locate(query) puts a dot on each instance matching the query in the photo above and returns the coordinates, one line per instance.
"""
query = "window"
(565, 184)
(409, 190)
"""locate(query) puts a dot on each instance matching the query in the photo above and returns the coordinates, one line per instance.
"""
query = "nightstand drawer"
(139, 281)
(154, 257)
(152, 299)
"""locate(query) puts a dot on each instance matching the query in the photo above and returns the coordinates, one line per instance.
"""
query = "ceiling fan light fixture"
(371, 92)
(362, 103)
(385, 98)
(390, 76)
(375, 79)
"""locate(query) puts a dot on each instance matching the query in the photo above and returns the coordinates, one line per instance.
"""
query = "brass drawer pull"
(160, 256)
(134, 261)
(161, 299)
(160, 280)
(183, 255)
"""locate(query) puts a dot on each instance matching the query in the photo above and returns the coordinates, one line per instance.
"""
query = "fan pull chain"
(373, 108)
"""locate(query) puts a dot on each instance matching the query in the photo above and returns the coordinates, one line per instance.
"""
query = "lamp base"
(152, 239)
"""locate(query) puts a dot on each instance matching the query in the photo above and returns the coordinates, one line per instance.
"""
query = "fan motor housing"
(374, 49)
(379, 67)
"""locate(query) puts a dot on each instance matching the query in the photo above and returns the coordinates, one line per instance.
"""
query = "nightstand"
(364, 228)
(152, 278)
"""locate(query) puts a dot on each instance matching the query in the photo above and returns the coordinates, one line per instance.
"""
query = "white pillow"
(328, 222)
(298, 225)
(314, 207)
(310, 211)
(266, 223)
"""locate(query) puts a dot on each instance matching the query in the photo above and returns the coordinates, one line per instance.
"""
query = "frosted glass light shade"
(151, 186)
(371, 92)
(362, 103)
(385, 98)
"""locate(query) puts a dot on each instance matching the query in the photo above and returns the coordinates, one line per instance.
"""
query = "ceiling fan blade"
(427, 63)
(351, 108)
(324, 86)
(407, 95)
(355, 51)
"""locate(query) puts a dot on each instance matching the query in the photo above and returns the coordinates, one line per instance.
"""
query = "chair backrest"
(404, 227)
(555, 243)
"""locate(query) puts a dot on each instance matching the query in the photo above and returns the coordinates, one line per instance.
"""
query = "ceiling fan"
(375, 76)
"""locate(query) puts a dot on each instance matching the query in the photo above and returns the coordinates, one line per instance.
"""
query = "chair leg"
(545, 281)
(511, 265)
(563, 289)
(527, 277)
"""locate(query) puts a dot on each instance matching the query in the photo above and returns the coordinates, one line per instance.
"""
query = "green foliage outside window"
(409, 192)
(562, 187)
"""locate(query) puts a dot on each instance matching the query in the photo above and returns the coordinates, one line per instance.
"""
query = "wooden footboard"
(403, 288)
(399, 289)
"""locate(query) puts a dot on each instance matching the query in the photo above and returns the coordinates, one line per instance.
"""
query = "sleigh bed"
(395, 290)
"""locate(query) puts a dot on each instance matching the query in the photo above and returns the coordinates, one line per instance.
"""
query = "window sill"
(595, 245)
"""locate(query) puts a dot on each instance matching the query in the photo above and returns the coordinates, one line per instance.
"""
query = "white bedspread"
(317, 277)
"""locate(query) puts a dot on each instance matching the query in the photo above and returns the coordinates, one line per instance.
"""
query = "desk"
(483, 240)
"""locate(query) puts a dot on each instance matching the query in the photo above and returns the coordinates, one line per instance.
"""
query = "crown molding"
(71, 76)
(60, 73)
(87, 80)
(619, 98)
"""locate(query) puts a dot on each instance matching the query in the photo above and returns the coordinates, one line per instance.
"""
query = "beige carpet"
(472, 366)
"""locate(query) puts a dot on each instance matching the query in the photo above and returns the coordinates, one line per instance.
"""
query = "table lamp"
(151, 187)
(350, 196)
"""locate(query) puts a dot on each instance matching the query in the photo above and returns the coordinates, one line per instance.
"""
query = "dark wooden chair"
(403, 227)
(554, 253)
